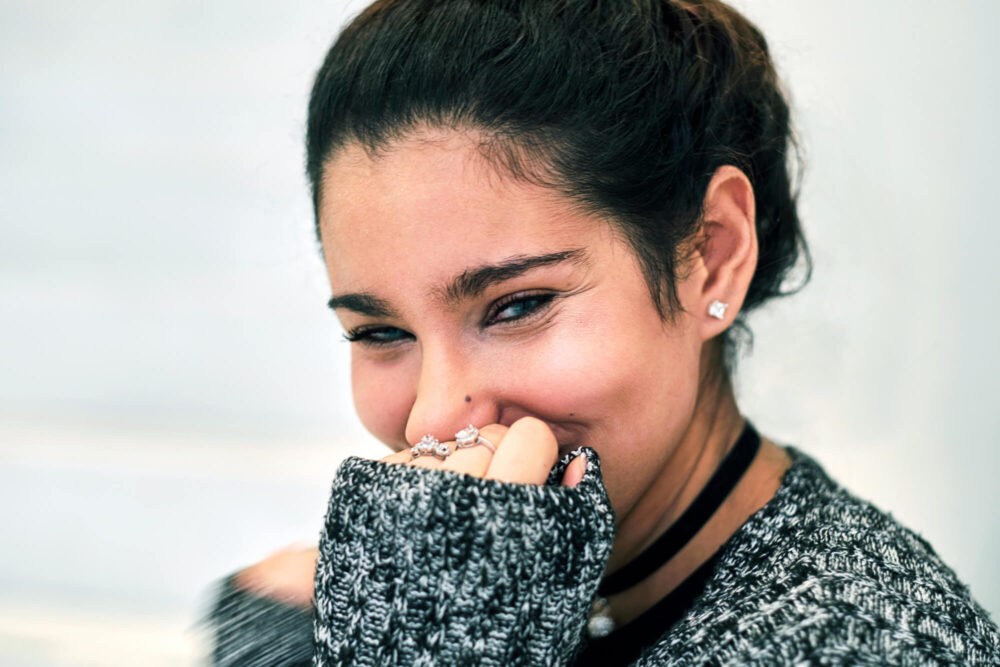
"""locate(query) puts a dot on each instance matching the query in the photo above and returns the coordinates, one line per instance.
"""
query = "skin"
(567, 353)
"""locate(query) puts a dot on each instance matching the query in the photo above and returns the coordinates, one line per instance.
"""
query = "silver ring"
(430, 446)
(469, 437)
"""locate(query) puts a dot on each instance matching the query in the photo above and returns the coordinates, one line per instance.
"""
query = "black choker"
(725, 478)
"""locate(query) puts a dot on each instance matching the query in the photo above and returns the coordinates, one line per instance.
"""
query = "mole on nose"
(468, 398)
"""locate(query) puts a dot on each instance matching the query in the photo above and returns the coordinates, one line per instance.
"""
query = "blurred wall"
(174, 396)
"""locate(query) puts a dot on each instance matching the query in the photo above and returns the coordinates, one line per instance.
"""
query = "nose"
(451, 394)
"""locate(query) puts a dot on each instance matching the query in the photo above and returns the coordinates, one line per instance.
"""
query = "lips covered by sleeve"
(430, 567)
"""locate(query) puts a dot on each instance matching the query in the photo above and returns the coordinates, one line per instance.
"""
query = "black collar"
(718, 488)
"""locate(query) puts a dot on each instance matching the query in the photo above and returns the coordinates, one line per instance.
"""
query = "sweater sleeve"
(430, 567)
(250, 630)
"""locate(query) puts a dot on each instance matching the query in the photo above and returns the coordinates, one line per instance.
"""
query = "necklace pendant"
(600, 623)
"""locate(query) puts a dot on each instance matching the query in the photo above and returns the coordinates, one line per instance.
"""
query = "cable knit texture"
(428, 567)
(818, 576)
(422, 567)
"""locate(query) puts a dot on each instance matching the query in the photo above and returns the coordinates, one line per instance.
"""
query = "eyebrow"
(467, 285)
(362, 303)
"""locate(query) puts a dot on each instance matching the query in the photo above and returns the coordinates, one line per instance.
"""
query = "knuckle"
(536, 434)
(494, 432)
(536, 429)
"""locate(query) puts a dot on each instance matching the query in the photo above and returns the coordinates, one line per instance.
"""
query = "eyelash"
(366, 335)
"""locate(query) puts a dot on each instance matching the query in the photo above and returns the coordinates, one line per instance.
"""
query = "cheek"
(609, 380)
(596, 370)
(382, 399)
(631, 388)
(567, 377)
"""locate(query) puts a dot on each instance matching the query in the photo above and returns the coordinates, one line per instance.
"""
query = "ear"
(725, 252)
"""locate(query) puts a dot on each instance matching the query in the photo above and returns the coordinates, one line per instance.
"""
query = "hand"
(286, 575)
(525, 453)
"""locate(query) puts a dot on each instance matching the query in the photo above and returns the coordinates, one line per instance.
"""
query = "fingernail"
(575, 471)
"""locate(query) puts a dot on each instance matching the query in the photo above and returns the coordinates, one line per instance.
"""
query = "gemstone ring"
(430, 446)
(469, 437)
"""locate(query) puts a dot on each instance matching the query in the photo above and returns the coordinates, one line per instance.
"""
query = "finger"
(526, 454)
(397, 457)
(574, 471)
(430, 461)
(475, 461)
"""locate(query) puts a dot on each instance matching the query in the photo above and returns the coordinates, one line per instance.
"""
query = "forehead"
(432, 205)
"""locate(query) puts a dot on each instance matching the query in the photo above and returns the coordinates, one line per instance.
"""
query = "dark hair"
(626, 106)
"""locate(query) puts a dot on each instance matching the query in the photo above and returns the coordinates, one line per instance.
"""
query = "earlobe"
(727, 248)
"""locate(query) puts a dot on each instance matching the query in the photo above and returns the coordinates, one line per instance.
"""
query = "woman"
(543, 223)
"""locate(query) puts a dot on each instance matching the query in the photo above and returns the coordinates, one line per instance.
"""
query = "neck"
(715, 426)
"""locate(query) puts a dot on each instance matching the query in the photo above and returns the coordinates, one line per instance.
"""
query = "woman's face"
(472, 298)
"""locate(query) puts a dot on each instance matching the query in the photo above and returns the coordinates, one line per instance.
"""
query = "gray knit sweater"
(424, 567)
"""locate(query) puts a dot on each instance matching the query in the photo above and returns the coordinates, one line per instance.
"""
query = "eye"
(376, 336)
(519, 307)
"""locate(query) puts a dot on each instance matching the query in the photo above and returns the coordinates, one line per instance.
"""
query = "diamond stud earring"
(717, 309)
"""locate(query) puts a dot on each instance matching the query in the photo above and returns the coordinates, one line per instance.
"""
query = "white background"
(174, 397)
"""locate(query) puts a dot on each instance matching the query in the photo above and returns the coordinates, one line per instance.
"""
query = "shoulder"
(819, 574)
